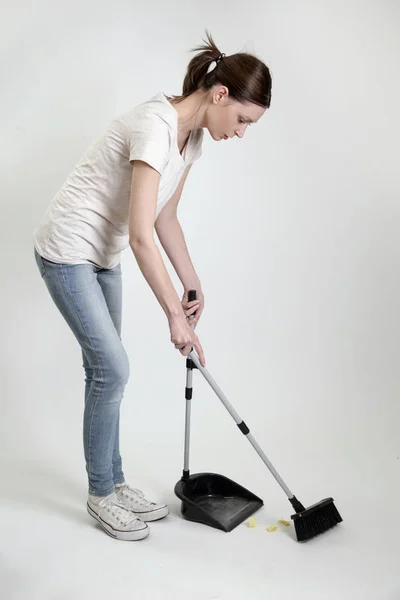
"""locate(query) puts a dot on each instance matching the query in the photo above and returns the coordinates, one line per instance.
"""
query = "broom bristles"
(316, 519)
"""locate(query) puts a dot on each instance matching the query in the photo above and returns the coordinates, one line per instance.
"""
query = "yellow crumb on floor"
(272, 528)
(283, 522)
(251, 522)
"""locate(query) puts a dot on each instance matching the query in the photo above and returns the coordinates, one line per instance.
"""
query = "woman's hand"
(184, 338)
(193, 309)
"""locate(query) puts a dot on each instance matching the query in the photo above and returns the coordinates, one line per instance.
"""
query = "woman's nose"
(240, 131)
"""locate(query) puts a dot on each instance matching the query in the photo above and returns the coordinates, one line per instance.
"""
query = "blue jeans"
(90, 300)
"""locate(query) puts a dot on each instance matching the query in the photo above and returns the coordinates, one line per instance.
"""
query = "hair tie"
(214, 63)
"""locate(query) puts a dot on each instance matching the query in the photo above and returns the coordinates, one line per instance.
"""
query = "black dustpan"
(210, 498)
(215, 500)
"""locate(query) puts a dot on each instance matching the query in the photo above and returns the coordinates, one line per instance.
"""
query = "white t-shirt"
(87, 220)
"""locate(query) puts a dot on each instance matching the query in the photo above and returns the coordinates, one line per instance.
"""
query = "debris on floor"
(253, 523)
(283, 522)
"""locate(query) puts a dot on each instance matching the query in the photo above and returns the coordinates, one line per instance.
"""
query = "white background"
(294, 233)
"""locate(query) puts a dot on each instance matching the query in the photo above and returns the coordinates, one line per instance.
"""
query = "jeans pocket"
(40, 263)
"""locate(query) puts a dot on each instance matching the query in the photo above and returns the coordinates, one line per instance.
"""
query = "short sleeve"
(149, 140)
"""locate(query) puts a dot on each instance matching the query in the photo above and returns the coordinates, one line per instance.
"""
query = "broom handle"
(240, 423)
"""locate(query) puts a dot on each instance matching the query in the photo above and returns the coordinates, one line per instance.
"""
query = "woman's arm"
(142, 212)
(172, 239)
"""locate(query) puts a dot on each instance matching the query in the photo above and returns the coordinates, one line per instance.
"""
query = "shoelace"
(136, 494)
(122, 515)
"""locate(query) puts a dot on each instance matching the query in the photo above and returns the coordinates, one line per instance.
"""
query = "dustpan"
(215, 500)
(210, 498)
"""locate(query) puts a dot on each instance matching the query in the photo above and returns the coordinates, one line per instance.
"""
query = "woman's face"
(227, 117)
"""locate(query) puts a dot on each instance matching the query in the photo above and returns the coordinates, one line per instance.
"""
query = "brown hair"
(247, 78)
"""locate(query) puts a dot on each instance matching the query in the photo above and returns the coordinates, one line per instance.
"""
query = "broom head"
(316, 519)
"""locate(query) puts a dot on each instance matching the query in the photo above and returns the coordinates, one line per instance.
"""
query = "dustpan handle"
(188, 397)
(240, 423)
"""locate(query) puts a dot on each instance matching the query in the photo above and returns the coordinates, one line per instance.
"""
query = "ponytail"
(247, 78)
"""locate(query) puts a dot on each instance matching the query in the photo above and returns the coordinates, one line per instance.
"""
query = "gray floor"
(51, 549)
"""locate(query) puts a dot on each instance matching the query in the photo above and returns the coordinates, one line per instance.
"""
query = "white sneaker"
(116, 520)
(134, 500)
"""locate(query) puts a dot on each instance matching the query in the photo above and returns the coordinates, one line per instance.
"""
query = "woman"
(127, 185)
